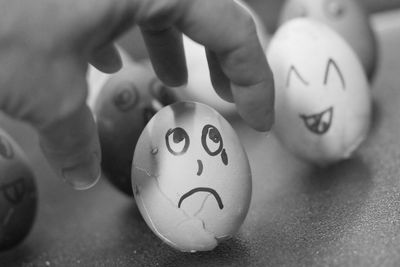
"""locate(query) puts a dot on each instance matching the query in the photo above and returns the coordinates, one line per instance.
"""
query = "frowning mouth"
(202, 189)
(319, 123)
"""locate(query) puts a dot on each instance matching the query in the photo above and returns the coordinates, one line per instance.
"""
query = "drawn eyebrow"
(291, 70)
(331, 62)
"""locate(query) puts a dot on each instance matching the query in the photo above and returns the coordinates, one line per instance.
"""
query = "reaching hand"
(45, 46)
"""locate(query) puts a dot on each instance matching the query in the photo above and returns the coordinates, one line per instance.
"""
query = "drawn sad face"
(191, 177)
(178, 141)
(322, 94)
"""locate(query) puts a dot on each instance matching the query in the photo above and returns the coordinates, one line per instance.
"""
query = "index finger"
(229, 32)
(225, 29)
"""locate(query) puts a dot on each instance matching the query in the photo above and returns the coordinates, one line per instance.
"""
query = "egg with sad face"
(191, 177)
(323, 102)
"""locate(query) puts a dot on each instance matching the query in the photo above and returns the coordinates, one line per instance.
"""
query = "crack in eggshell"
(202, 205)
(161, 191)
(183, 226)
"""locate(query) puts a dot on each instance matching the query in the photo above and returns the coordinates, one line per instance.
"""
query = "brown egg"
(126, 102)
(18, 194)
(347, 17)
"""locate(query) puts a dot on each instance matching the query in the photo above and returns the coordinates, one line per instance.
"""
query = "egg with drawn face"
(18, 194)
(346, 17)
(125, 104)
(323, 102)
(199, 87)
(191, 177)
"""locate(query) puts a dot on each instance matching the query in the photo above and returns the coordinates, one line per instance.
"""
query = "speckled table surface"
(344, 215)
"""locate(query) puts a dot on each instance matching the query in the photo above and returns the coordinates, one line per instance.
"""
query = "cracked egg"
(191, 177)
(323, 102)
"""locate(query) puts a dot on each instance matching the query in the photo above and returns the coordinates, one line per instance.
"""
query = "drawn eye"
(177, 141)
(294, 74)
(126, 97)
(335, 9)
(334, 75)
(211, 140)
(162, 93)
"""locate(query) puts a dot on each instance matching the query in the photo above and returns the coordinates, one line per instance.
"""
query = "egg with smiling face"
(346, 17)
(191, 177)
(323, 102)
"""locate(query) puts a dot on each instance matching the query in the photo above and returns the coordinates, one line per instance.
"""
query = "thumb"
(70, 141)
(52, 99)
(72, 148)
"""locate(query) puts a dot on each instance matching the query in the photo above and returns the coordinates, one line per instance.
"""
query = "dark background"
(344, 215)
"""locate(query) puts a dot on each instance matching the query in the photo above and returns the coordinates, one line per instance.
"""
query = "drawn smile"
(202, 189)
(319, 123)
(14, 191)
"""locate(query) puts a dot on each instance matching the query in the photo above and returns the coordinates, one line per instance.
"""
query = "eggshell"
(126, 102)
(199, 87)
(323, 102)
(191, 177)
(18, 194)
(347, 17)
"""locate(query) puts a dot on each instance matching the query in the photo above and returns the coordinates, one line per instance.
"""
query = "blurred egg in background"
(347, 17)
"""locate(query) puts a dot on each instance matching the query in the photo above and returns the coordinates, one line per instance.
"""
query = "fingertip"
(84, 175)
(255, 105)
(219, 80)
(72, 148)
(107, 59)
(174, 78)
(259, 121)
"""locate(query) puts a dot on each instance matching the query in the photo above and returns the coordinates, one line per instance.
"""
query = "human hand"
(46, 45)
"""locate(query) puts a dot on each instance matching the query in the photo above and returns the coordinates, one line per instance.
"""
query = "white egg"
(199, 87)
(323, 102)
(191, 177)
(346, 17)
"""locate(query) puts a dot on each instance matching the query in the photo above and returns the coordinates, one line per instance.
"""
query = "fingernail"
(83, 175)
